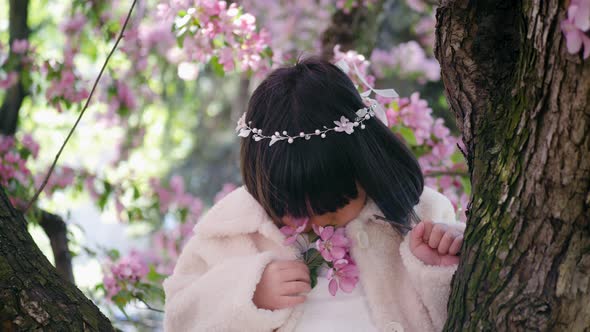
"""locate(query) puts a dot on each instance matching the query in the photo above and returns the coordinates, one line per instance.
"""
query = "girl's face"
(340, 217)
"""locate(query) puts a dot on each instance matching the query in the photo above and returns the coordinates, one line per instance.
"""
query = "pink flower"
(111, 286)
(575, 26)
(296, 227)
(20, 46)
(30, 144)
(344, 274)
(332, 244)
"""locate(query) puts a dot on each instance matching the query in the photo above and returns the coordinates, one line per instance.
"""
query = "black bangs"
(311, 178)
(320, 175)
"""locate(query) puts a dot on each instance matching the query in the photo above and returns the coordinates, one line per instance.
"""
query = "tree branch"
(33, 296)
(57, 232)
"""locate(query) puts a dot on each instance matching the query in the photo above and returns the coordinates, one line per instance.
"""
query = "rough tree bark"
(521, 102)
(33, 296)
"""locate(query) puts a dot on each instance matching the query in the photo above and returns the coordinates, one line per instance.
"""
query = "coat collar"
(237, 213)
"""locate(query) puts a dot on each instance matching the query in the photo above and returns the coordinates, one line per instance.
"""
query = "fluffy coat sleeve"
(217, 295)
(432, 283)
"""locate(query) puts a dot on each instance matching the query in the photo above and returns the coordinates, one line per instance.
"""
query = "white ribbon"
(388, 93)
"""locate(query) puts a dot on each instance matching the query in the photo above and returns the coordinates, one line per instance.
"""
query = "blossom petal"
(348, 284)
(327, 233)
(326, 255)
(338, 252)
(333, 287)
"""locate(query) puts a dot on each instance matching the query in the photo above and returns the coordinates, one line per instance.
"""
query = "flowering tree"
(162, 94)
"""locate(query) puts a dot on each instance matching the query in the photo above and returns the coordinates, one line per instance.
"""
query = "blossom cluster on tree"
(154, 97)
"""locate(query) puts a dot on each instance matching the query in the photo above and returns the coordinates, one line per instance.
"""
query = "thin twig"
(38, 192)
(150, 307)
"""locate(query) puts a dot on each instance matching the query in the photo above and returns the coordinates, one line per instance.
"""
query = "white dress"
(344, 312)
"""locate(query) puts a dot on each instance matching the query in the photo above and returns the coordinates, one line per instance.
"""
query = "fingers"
(443, 238)
(436, 234)
(416, 235)
(294, 271)
(445, 242)
(456, 245)
(428, 226)
(294, 288)
(290, 301)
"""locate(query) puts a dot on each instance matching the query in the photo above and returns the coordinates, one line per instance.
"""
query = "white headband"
(343, 125)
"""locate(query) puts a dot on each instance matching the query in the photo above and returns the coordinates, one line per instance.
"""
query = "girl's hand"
(283, 285)
(435, 243)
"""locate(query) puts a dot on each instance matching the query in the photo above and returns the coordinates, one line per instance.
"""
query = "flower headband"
(343, 125)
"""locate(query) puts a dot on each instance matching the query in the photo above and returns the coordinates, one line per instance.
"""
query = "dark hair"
(319, 175)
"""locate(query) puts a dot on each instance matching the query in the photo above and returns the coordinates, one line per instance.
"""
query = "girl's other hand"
(284, 284)
(436, 243)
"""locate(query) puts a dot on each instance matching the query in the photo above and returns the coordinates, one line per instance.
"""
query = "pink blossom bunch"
(354, 59)
(292, 231)
(576, 26)
(408, 60)
(334, 247)
(417, 5)
(211, 29)
(65, 84)
(61, 178)
(425, 31)
(293, 26)
(344, 275)
(332, 244)
(124, 273)
(167, 246)
(414, 113)
(14, 156)
(174, 197)
(22, 50)
(20, 46)
(7, 80)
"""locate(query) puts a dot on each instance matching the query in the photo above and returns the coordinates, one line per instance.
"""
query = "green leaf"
(114, 254)
(457, 157)
(466, 183)
(217, 67)
(154, 276)
(407, 134)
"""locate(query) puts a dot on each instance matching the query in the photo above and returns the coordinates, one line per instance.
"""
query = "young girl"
(315, 158)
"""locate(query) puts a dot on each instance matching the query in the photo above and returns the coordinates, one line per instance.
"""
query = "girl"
(316, 159)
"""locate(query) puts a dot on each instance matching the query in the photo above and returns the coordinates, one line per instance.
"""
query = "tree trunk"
(32, 294)
(15, 94)
(521, 102)
(356, 30)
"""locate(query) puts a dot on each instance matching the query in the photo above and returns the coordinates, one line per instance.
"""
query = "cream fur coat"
(214, 280)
